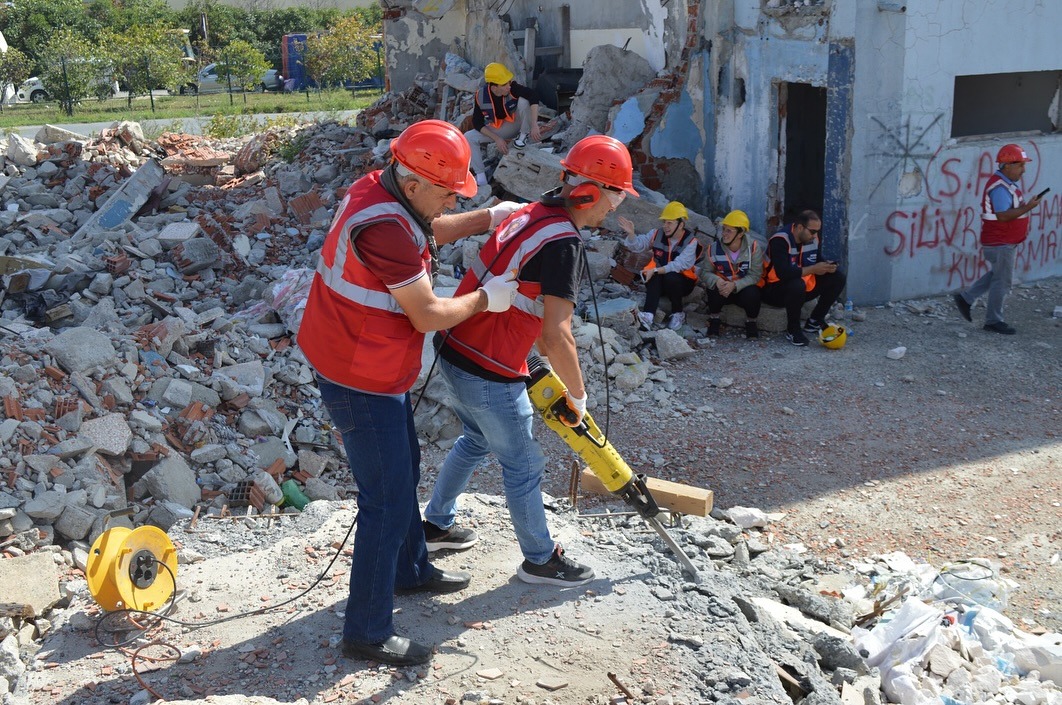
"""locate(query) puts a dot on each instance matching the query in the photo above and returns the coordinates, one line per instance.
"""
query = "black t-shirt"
(558, 268)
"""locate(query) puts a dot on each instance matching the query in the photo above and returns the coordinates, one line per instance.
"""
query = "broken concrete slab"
(171, 480)
(51, 134)
(20, 150)
(31, 580)
(81, 349)
(610, 74)
(127, 200)
(672, 346)
(110, 434)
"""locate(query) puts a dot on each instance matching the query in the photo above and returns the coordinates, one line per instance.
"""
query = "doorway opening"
(801, 151)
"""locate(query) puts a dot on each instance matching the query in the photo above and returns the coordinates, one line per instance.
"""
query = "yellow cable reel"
(124, 566)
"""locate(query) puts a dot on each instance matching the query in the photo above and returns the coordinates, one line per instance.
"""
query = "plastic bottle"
(293, 496)
(848, 305)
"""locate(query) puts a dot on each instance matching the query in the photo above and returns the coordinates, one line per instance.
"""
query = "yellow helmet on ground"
(674, 211)
(736, 219)
(833, 337)
(497, 73)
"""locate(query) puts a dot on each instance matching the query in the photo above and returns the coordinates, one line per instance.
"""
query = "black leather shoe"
(396, 651)
(964, 308)
(439, 582)
(1000, 327)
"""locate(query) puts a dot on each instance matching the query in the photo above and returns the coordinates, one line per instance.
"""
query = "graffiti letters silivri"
(948, 226)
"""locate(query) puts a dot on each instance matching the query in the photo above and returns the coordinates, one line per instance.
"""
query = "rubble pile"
(150, 294)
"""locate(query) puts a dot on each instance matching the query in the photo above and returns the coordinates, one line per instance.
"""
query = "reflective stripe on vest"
(662, 251)
(499, 342)
(332, 276)
(353, 332)
(486, 106)
(799, 256)
(724, 266)
(995, 231)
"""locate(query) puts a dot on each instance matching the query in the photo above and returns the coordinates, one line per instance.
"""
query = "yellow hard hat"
(833, 337)
(497, 73)
(674, 211)
(736, 219)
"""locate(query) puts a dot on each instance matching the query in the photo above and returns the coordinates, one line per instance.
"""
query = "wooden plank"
(680, 498)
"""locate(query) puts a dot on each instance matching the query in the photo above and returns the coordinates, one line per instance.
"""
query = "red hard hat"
(602, 159)
(1011, 153)
(438, 152)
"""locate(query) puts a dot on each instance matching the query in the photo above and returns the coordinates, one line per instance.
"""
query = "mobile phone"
(1041, 194)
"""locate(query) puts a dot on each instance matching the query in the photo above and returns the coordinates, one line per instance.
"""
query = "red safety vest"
(663, 252)
(994, 232)
(353, 331)
(799, 256)
(486, 106)
(499, 342)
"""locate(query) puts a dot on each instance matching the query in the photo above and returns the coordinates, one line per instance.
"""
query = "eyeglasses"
(814, 232)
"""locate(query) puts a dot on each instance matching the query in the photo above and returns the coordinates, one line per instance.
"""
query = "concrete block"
(31, 580)
(178, 394)
(80, 349)
(196, 254)
(75, 522)
(111, 434)
(672, 346)
(50, 134)
(319, 489)
(116, 387)
(11, 666)
(177, 233)
(46, 506)
(21, 150)
(270, 450)
(249, 377)
(210, 453)
(70, 448)
(312, 463)
(172, 480)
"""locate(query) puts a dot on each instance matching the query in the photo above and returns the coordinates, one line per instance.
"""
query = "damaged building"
(884, 116)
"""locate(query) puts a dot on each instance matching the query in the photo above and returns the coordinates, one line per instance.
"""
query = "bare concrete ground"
(953, 451)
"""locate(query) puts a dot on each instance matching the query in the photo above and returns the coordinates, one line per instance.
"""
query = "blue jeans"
(496, 418)
(995, 281)
(389, 549)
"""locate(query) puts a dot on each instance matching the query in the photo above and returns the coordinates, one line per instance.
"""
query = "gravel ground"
(951, 452)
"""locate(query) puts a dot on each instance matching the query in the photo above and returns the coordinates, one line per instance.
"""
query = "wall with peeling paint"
(915, 203)
(414, 44)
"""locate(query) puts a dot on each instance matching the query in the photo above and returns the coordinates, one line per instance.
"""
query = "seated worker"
(672, 272)
(794, 273)
(504, 110)
(732, 276)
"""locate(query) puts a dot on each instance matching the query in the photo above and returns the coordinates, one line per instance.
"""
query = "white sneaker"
(521, 141)
(645, 320)
(677, 319)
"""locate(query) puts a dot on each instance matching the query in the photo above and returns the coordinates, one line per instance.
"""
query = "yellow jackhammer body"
(546, 392)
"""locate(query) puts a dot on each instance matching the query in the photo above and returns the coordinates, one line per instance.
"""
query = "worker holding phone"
(1004, 226)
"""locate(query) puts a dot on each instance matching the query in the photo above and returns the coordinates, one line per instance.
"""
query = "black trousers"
(674, 285)
(791, 296)
(748, 298)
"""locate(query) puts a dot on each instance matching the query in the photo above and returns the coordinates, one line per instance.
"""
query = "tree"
(344, 54)
(15, 67)
(144, 58)
(71, 69)
(31, 25)
(243, 64)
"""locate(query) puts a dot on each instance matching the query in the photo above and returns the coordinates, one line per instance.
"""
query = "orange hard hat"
(1011, 153)
(438, 152)
(602, 159)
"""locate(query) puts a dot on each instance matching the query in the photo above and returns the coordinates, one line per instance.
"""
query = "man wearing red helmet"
(484, 359)
(1004, 226)
(369, 306)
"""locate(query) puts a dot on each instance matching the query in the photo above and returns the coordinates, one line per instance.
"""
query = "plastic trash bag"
(898, 646)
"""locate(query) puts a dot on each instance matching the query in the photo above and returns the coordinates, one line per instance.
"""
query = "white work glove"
(501, 211)
(500, 291)
(576, 405)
